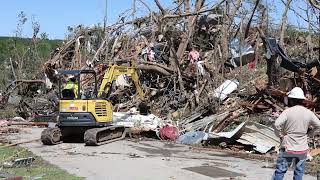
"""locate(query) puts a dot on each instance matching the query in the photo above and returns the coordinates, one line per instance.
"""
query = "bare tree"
(284, 22)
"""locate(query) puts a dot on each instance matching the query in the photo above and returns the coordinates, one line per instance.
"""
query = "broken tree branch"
(194, 13)
(160, 7)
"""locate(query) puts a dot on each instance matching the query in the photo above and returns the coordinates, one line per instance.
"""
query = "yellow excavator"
(89, 115)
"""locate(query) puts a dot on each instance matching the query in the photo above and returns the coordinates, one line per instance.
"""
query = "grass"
(314, 166)
(8, 112)
(39, 169)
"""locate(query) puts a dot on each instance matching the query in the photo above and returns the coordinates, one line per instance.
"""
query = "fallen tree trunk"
(154, 68)
(160, 65)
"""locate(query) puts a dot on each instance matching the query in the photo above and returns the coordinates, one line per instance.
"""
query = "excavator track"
(104, 135)
(51, 136)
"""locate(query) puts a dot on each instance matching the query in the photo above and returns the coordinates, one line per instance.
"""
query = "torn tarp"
(286, 62)
(273, 49)
(261, 137)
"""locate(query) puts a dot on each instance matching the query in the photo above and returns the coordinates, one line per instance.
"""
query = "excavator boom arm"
(112, 74)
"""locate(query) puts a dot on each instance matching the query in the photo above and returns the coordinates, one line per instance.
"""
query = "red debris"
(169, 133)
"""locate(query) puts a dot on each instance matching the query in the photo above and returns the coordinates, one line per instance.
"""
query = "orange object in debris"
(315, 152)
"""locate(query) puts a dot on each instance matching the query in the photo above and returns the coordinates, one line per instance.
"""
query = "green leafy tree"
(21, 57)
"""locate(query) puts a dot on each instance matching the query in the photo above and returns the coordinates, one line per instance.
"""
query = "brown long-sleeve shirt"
(292, 125)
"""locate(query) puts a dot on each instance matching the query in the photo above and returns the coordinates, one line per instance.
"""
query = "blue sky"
(55, 15)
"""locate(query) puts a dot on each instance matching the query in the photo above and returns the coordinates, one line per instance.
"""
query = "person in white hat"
(292, 128)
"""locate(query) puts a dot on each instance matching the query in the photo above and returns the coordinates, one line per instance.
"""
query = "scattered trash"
(134, 155)
(225, 89)
(23, 162)
(133, 119)
(18, 119)
(7, 175)
(3, 123)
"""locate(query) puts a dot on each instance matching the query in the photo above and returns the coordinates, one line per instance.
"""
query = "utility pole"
(106, 31)
(105, 18)
(133, 12)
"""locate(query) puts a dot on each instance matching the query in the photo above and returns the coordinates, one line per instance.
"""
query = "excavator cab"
(90, 92)
(82, 107)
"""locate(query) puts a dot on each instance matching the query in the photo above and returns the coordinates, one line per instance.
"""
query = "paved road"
(146, 160)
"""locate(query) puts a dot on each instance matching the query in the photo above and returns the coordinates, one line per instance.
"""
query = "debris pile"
(30, 97)
(202, 71)
(270, 98)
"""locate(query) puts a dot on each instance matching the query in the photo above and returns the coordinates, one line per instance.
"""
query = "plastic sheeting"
(225, 89)
(192, 137)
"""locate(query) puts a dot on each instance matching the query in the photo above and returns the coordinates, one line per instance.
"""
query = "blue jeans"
(284, 162)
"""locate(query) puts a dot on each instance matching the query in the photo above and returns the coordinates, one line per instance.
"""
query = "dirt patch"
(74, 153)
(47, 151)
(213, 171)
(110, 153)
(238, 154)
(160, 151)
(172, 145)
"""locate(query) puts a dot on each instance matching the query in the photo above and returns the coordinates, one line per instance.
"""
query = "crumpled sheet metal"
(229, 134)
(261, 137)
(204, 122)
